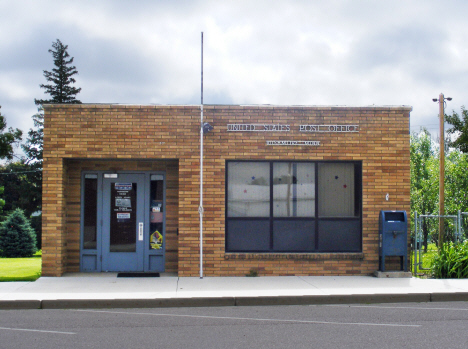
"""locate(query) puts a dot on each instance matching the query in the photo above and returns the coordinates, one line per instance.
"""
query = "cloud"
(356, 52)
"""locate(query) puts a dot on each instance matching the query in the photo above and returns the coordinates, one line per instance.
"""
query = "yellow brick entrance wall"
(113, 137)
(73, 207)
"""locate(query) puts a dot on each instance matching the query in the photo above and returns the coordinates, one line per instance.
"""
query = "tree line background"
(425, 178)
(21, 176)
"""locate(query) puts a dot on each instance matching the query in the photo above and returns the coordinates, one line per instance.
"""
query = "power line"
(424, 125)
(15, 173)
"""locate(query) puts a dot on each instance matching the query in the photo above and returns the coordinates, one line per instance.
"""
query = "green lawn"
(21, 269)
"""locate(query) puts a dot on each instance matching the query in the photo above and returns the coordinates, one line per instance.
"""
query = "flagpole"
(200, 208)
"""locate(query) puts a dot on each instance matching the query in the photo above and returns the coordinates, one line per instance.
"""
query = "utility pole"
(441, 101)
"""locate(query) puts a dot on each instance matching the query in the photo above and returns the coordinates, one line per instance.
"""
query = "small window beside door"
(90, 212)
(156, 212)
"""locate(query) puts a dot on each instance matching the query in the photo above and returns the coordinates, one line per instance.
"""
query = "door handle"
(140, 231)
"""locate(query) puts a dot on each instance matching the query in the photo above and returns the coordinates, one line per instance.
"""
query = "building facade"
(288, 190)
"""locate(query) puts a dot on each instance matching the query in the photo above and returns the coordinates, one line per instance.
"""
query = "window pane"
(123, 217)
(293, 189)
(156, 214)
(336, 190)
(340, 235)
(294, 235)
(248, 235)
(90, 214)
(248, 189)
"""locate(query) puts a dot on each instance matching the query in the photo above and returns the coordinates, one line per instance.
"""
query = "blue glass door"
(123, 228)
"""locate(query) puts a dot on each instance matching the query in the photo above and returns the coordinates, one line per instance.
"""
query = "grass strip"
(20, 269)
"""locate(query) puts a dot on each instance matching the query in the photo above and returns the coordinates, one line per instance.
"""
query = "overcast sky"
(294, 52)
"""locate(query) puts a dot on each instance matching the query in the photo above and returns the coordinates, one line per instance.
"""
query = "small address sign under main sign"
(309, 143)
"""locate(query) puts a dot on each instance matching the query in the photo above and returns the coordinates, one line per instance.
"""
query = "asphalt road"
(407, 325)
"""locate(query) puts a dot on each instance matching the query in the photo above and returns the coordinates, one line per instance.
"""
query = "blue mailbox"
(393, 235)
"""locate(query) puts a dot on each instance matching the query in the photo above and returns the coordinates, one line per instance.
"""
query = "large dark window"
(278, 206)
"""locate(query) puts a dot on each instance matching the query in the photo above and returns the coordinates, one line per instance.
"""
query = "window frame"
(321, 242)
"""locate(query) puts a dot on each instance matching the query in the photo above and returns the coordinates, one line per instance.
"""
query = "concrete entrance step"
(393, 274)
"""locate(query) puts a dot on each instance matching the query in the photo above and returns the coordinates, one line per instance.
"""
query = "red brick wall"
(131, 136)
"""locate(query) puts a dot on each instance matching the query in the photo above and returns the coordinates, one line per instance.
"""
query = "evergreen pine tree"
(2, 202)
(34, 142)
(61, 77)
(17, 238)
(33, 148)
(60, 91)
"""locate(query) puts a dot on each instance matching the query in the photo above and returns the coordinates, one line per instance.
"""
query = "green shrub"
(17, 238)
(451, 261)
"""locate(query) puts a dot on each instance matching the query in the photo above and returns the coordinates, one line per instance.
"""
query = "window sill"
(297, 256)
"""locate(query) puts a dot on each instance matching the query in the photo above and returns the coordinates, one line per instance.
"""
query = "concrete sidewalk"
(106, 290)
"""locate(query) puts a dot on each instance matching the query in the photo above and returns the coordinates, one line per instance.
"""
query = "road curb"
(449, 297)
(334, 299)
(20, 304)
(233, 301)
(138, 303)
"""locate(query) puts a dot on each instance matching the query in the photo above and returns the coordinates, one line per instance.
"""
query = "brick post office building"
(288, 190)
